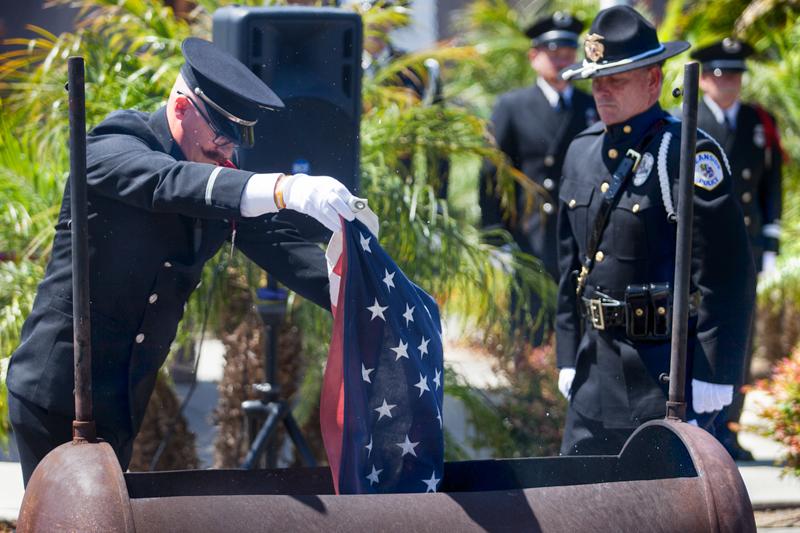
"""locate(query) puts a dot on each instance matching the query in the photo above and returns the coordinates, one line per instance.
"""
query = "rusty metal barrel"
(670, 476)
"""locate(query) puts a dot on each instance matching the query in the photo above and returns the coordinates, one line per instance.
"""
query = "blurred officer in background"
(533, 126)
(749, 135)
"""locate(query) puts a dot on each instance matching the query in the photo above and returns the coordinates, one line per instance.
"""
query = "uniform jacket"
(535, 137)
(616, 378)
(756, 161)
(154, 221)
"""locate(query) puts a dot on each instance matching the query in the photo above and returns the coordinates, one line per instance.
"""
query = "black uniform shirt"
(616, 377)
(756, 160)
(535, 136)
(154, 221)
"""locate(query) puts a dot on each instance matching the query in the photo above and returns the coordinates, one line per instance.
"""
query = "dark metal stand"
(263, 415)
(676, 405)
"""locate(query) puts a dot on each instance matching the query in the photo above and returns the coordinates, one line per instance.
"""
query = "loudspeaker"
(311, 58)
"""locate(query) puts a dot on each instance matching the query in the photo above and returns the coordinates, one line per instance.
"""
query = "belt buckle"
(596, 314)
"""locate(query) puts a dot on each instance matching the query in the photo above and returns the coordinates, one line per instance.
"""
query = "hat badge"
(731, 46)
(593, 48)
(562, 19)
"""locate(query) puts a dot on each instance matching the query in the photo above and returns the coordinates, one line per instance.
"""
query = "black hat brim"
(576, 71)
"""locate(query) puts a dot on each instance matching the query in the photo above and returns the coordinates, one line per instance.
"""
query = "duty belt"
(645, 313)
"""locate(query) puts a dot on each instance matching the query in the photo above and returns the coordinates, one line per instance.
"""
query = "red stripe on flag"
(332, 398)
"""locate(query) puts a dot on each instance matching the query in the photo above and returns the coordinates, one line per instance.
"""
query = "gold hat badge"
(593, 48)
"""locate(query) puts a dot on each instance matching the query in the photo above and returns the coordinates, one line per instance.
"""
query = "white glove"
(710, 397)
(565, 378)
(769, 261)
(320, 197)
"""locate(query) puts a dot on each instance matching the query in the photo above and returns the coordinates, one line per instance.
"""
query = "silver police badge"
(643, 170)
(759, 138)
(562, 19)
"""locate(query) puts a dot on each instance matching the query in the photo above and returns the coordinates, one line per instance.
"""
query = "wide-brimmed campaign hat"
(620, 40)
(727, 55)
(234, 97)
(553, 31)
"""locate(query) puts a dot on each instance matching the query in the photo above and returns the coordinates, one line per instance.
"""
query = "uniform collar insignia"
(593, 48)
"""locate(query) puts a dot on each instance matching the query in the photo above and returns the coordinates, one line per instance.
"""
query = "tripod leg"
(298, 439)
(264, 434)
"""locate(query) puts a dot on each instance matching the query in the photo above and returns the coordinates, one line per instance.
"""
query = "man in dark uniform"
(533, 126)
(614, 299)
(163, 198)
(749, 135)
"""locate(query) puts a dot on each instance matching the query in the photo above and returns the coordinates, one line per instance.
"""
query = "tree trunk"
(160, 419)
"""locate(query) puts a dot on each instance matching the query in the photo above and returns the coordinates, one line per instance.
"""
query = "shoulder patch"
(707, 171)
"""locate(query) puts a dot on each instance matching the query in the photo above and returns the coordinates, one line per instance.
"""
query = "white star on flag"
(365, 372)
(385, 409)
(431, 483)
(373, 477)
(437, 379)
(388, 279)
(401, 350)
(377, 310)
(369, 447)
(423, 347)
(409, 314)
(408, 446)
(438, 417)
(422, 385)
(365, 242)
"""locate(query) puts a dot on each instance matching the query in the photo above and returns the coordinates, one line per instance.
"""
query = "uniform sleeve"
(125, 168)
(491, 210)
(771, 202)
(277, 247)
(722, 270)
(567, 317)
(568, 320)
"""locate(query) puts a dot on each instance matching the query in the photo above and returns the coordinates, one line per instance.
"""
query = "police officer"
(163, 198)
(533, 126)
(614, 300)
(749, 135)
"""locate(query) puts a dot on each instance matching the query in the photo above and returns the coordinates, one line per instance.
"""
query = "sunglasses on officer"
(227, 130)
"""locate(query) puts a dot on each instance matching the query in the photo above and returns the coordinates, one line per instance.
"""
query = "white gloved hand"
(565, 378)
(710, 397)
(769, 261)
(320, 197)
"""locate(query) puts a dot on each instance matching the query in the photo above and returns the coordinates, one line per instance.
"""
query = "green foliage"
(782, 415)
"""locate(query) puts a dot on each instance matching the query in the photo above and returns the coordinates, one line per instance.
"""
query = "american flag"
(381, 405)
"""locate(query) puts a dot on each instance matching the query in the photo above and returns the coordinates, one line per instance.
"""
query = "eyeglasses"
(220, 139)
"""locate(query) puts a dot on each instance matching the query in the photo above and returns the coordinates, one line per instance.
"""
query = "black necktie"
(728, 124)
(563, 105)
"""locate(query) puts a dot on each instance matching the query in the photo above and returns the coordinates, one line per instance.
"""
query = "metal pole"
(676, 405)
(83, 428)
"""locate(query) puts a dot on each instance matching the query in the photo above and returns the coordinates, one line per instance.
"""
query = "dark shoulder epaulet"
(124, 121)
(598, 128)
